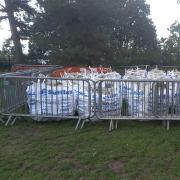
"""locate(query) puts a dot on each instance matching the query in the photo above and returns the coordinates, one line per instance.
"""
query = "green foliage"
(170, 47)
(92, 32)
(6, 56)
(23, 14)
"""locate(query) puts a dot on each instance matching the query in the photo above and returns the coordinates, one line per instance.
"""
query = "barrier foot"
(168, 125)
(14, 120)
(77, 125)
(111, 125)
(83, 123)
(116, 126)
(9, 119)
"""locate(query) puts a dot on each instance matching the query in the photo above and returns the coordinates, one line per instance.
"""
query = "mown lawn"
(137, 150)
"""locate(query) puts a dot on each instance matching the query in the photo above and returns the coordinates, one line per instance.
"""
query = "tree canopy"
(91, 31)
(170, 47)
(87, 32)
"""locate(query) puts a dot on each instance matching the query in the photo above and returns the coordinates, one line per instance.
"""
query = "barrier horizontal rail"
(46, 97)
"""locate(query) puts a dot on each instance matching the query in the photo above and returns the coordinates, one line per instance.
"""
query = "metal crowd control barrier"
(46, 98)
(4, 92)
(138, 100)
(49, 98)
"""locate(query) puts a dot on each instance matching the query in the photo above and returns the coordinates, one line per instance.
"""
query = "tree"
(19, 13)
(72, 30)
(171, 45)
(133, 27)
(91, 31)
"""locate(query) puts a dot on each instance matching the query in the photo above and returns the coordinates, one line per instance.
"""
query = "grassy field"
(137, 150)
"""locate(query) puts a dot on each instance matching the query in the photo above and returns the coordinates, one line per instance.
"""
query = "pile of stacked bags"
(67, 97)
(50, 97)
(148, 97)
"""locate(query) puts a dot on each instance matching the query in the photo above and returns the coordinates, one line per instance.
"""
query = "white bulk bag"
(51, 98)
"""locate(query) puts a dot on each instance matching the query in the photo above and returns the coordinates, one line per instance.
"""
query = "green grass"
(136, 150)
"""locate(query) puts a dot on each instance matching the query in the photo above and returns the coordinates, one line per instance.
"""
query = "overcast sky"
(163, 14)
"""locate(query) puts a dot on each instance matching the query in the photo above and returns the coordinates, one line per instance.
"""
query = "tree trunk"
(19, 59)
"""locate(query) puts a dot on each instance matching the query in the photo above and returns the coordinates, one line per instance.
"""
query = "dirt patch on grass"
(117, 166)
